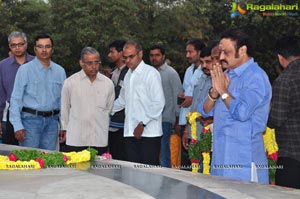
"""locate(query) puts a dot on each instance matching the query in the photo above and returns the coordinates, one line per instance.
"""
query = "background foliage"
(78, 23)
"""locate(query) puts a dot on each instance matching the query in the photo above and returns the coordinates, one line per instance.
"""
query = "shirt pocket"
(100, 101)
(56, 88)
(32, 88)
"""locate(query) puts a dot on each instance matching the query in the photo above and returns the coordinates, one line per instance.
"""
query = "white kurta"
(143, 98)
(85, 109)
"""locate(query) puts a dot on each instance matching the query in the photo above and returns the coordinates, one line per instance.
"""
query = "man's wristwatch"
(224, 96)
(141, 123)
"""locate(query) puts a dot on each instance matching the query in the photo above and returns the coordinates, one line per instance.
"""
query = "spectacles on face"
(129, 56)
(39, 46)
(19, 45)
(91, 63)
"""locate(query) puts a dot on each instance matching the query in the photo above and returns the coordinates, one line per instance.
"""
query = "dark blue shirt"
(8, 71)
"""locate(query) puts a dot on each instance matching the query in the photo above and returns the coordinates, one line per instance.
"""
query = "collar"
(116, 68)
(206, 76)
(240, 69)
(82, 75)
(41, 66)
(12, 59)
(121, 68)
(193, 67)
(295, 60)
(163, 67)
(140, 67)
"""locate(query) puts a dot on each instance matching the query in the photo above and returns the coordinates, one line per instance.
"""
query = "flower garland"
(205, 146)
(271, 149)
(199, 150)
(25, 159)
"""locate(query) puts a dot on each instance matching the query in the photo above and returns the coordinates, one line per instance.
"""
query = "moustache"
(223, 61)
(205, 70)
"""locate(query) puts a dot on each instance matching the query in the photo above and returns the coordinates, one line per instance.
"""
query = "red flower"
(65, 158)
(204, 130)
(195, 161)
(273, 156)
(12, 157)
(194, 141)
(41, 162)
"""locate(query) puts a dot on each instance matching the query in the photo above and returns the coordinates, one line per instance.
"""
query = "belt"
(40, 113)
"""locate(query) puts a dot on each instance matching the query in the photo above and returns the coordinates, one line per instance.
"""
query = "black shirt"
(285, 111)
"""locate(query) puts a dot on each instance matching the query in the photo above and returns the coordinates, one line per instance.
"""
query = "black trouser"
(69, 148)
(9, 136)
(116, 145)
(185, 160)
(288, 172)
(145, 150)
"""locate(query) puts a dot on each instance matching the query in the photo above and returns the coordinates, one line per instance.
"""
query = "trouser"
(40, 132)
(8, 136)
(185, 160)
(165, 153)
(144, 150)
(69, 148)
(116, 145)
(288, 172)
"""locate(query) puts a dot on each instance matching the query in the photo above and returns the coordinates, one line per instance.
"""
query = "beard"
(206, 71)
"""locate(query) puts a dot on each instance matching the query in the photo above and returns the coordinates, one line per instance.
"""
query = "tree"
(28, 16)
(75, 24)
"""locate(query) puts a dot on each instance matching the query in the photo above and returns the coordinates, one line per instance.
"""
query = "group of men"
(133, 113)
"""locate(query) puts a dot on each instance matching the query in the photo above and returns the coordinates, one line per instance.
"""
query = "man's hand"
(20, 135)
(206, 121)
(0, 130)
(185, 140)
(177, 128)
(220, 80)
(62, 136)
(187, 102)
(138, 131)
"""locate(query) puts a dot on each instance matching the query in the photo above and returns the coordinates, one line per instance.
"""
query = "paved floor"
(119, 179)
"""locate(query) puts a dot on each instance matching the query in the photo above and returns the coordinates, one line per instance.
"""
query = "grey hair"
(137, 45)
(88, 50)
(16, 34)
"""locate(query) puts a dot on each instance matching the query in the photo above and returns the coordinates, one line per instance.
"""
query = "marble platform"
(119, 179)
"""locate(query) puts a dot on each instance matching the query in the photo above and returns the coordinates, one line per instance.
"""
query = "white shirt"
(85, 109)
(191, 77)
(143, 99)
(5, 112)
(116, 74)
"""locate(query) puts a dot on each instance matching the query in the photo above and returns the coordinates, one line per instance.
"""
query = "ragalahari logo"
(237, 10)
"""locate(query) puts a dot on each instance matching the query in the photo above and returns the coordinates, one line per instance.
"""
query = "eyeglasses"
(129, 56)
(91, 63)
(17, 45)
(42, 47)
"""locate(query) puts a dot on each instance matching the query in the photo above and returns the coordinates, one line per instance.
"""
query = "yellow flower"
(3, 158)
(206, 161)
(195, 167)
(83, 165)
(76, 157)
(192, 116)
(270, 141)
